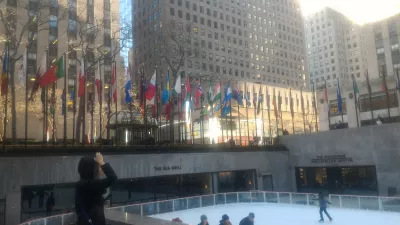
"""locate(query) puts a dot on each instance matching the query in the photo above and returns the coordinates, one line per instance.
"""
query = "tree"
(19, 31)
(174, 50)
(86, 41)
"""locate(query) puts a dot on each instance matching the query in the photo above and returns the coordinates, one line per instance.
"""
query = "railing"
(308, 199)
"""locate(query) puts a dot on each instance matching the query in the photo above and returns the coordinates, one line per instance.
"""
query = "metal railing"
(308, 199)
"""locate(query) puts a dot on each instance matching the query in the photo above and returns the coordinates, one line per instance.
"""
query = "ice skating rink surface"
(280, 214)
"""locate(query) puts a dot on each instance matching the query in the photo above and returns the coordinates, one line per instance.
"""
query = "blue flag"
(128, 97)
(165, 92)
(237, 97)
(226, 109)
(339, 98)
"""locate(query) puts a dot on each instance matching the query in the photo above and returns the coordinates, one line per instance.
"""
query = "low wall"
(373, 145)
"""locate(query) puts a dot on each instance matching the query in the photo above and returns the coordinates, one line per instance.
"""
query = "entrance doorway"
(268, 185)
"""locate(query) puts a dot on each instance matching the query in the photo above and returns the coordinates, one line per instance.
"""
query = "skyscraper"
(126, 11)
(335, 47)
(257, 41)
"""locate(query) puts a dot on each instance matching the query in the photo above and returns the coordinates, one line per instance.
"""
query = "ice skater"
(204, 220)
(323, 204)
(249, 220)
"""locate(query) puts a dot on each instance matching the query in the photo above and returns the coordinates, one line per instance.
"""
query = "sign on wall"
(332, 159)
(167, 168)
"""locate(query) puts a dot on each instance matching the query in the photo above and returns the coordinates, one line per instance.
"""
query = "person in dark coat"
(51, 202)
(204, 220)
(225, 220)
(89, 201)
(249, 220)
(323, 204)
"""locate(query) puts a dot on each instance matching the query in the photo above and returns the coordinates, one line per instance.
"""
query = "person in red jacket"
(89, 201)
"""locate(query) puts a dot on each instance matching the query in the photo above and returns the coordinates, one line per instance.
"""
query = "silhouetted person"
(29, 196)
(248, 220)
(41, 193)
(50, 204)
(89, 201)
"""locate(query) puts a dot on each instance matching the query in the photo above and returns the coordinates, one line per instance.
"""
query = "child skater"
(323, 203)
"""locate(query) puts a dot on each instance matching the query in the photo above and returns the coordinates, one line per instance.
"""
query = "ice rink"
(280, 214)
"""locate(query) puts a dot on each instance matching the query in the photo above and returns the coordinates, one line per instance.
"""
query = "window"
(187, 16)
(172, 11)
(180, 15)
(187, 4)
(195, 19)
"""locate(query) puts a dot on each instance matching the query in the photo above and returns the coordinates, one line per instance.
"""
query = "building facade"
(335, 47)
(255, 41)
(49, 29)
(126, 11)
(382, 38)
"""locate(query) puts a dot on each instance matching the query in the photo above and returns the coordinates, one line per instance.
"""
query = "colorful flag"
(254, 98)
(151, 87)
(199, 93)
(81, 79)
(178, 85)
(4, 78)
(41, 70)
(22, 70)
(247, 98)
(114, 84)
(98, 82)
(339, 97)
(188, 89)
(217, 93)
(355, 89)
(165, 92)
(55, 72)
(227, 101)
(210, 94)
(237, 97)
(128, 87)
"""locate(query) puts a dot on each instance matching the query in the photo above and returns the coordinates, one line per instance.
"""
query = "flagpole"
(386, 90)
(130, 103)
(230, 111)
(280, 108)
(53, 99)
(5, 103)
(314, 102)
(220, 104)
(26, 96)
(276, 116)
(302, 109)
(101, 106)
(74, 113)
(247, 114)
(292, 109)
(262, 118)
(45, 103)
(269, 116)
(355, 99)
(180, 110)
(116, 102)
(84, 103)
(238, 109)
(65, 97)
(201, 117)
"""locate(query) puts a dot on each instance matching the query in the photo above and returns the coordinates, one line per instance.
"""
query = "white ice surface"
(280, 214)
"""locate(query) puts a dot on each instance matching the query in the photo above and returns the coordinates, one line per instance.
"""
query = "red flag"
(114, 84)
(81, 79)
(49, 76)
(199, 93)
(167, 111)
(151, 87)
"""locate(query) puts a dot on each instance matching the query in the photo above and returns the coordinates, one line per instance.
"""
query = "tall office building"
(335, 47)
(382, 37)
(63, 26)
(126, 11)
(254, 41)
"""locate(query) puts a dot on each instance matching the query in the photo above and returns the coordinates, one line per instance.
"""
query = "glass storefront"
(359, 180)
(236, 181)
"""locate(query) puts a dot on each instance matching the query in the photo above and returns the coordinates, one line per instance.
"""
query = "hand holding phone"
(99, 158)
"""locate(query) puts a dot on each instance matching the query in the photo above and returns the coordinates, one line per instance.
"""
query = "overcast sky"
(360, 11)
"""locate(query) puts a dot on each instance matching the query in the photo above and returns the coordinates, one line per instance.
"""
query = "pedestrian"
(323, 204)
(203, 220)
(50, 203)
(248, 220)
(89, 190)
(225, 220)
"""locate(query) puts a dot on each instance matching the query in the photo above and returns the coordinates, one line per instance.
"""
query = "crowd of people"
(248, 220)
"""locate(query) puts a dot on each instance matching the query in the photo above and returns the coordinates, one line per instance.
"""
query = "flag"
(81, 79)
(98, 82)
(4, 78)
(178, 85)
(188, 89)
(260, 101)
(167, 111)
(41, 70)
(254, 98)
(55, 72)
(227, 101)
(217, 93)
(339, 97)
(151, 87)
(199, 93)
(210, 94)
(383, 84)
(22, 70)
(128, 86)
(165, 92)
(114, 84)
(275, 106)
(247, 98)
(237, 97)
(267, 97)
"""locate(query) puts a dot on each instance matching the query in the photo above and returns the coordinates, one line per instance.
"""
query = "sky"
(360, 11)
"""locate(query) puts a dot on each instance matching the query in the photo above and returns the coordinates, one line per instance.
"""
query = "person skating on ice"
(323, 204)
(225, 220)
(204, 220)
(248, 220)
